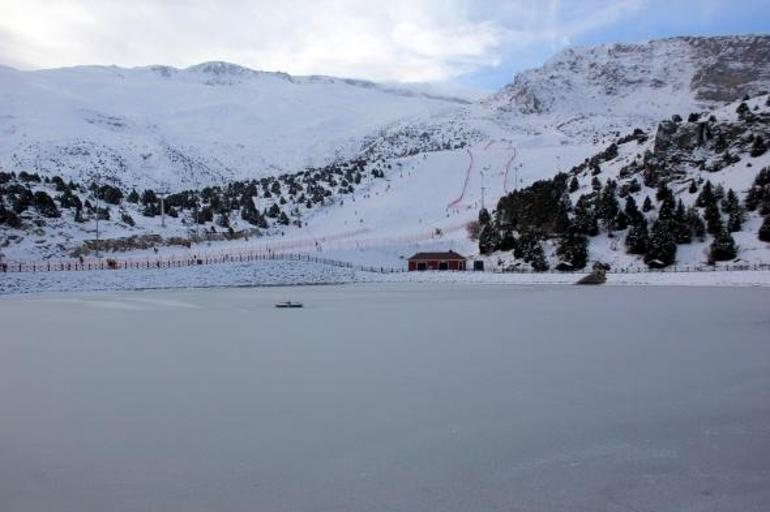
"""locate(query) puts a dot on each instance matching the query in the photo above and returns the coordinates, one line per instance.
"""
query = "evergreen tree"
(696, 224)
(681, 225)
(79, 218)
(127, 219)
(760, 190)
(621, 221)
(9, 218)
(572, 251)
(45, 205)
(732, 207)
(758, 148)
(274, 211)
(562, 222)
(607, 205)
(661, 247)
(693, 187)
(647, 205)
(149, 197)
(706, 196)
(667, 211)
(713, 218)
(585, 219)
(723, 247)
(574, 185)
(663, 193)
(764, 230)
(133, 196)
(632, 212)
(489, 239)
(250, 214)
(484, 217)
(637, 238)
(508, 241)
(537, 259)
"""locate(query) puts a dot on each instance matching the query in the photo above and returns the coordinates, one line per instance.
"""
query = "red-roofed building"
(436, 261)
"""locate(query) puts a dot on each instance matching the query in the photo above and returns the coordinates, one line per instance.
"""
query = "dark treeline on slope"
(655, 228)
(28, 199)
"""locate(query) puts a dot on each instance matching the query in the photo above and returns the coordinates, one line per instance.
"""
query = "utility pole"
(482, 189)
(162, 196)
(195, 206)
(96, 200)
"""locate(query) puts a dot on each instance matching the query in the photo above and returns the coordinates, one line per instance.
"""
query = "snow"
(229, 121)
(387, 397)
(283, 273)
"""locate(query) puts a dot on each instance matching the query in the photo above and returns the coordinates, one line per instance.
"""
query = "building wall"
(436, 265)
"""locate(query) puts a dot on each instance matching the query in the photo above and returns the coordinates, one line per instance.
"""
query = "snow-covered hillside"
(654, 79)
(208, 123)
(393, 170)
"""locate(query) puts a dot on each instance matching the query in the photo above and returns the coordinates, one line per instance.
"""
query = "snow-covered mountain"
(654, 79)
(408, 170)
(210, 122)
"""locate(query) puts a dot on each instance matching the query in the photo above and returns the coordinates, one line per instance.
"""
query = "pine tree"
(537, 259)
(663, 193)
(637, 238)
(635, 217)
(9, 218)
(572, 251)
(127, 219)
(713, 218)
(647, 205)
(621, 221)
(250, 214)
(484, 217)
(585, 218)
(489, 239)
(758, 148)
(760, 190)
(79, 215)
(133, 196)
(764, 230)
(732, 207)
(45, 205)
(695, 223)
(661, 248)
(706, 195)
(693, 187)
(607, 205)
(723, 247)
(574, 185)
(681, 225)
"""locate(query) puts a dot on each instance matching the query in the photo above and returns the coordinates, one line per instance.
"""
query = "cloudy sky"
(478, 44)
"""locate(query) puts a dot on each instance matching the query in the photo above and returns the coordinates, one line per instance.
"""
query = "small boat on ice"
(289, 304)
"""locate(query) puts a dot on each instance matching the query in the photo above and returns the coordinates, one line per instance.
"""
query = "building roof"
(449, 255)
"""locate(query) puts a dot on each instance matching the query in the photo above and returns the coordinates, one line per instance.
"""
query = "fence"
(734, 267)
(178, 262)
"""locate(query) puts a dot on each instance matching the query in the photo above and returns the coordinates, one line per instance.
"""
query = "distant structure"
(437, 261)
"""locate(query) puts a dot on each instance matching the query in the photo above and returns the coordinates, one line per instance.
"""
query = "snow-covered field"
(282, 273)
(387, 397)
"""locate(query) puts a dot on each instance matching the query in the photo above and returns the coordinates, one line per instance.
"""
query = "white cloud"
(390, 40)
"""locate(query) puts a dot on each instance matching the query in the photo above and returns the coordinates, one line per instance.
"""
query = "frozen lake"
(387, 398)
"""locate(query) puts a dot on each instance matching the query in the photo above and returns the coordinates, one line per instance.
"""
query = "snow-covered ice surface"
(281, 273)
(387, 397)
